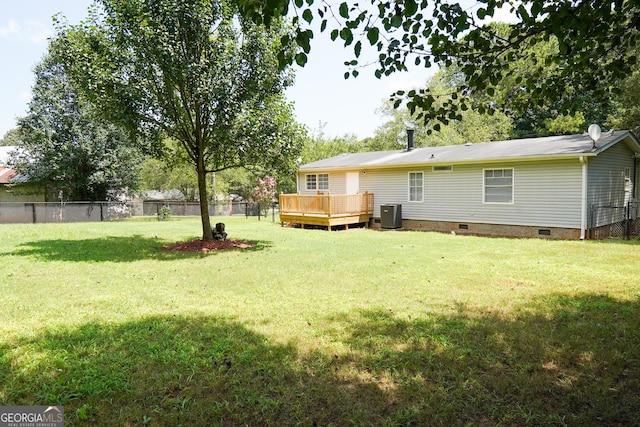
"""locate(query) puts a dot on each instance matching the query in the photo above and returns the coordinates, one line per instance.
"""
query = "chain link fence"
(40, 212)
(21, 213)
(220, 208)
(614, 222)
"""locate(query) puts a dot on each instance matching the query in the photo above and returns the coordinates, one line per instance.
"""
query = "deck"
(326, 210)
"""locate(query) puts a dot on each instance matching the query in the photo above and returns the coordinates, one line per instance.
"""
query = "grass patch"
(317, 328)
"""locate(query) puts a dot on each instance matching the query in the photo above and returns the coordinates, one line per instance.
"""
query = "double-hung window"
(416, 184)
(318, 181)
(498, 186)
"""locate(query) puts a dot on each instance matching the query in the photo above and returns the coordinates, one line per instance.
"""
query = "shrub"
(265, 193)
(164, 214)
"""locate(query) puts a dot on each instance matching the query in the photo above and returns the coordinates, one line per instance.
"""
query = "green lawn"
(317, 328)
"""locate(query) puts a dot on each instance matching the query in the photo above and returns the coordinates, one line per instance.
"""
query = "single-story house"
(15, 187)
(567, 187)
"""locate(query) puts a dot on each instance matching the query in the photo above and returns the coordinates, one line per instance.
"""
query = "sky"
(323, 99)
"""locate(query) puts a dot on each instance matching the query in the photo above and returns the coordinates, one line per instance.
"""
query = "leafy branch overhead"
(597, 44)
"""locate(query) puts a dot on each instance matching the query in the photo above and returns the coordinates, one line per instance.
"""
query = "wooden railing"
(326, 204)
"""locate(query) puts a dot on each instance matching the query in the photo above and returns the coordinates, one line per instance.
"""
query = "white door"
(353, 183)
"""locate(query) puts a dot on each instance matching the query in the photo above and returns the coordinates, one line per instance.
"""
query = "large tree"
(514, 99)
(191, 70)
(12, 137)
(626, 114)
(319, 146)
(67, 148)
(597, 44)
(470, 126)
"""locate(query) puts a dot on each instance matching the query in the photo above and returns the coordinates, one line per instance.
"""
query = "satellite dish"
(594, 133)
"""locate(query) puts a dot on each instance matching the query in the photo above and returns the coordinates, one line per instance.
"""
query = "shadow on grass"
(113, 249)
(567, 361)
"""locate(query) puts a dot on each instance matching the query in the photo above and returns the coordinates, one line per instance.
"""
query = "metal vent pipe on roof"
(410, 139)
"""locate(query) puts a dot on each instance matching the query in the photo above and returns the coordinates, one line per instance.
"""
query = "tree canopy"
(11, 137)
(511, 99)
(66, 147)
(596, 45)
(192, 70)
(626, 112)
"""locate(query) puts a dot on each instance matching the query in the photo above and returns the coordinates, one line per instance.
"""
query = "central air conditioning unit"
(391, 216)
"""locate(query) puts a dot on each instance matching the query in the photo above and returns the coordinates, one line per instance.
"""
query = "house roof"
(156, 195)
(11, 176)
(6, 174)
(551, 147)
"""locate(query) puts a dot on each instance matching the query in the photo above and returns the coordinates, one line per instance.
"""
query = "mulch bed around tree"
(208, 245)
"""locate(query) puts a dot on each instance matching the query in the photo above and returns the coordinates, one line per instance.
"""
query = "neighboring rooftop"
(520, 149)
(6, 174)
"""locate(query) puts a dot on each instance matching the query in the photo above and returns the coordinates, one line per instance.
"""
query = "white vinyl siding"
(546, 194)
(498, 186)
(609, 188)
(416, 186)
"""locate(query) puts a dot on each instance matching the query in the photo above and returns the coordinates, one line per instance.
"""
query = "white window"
(627, 180)
(415, 186)
(323, 181)
(318, 181)
(498, 186)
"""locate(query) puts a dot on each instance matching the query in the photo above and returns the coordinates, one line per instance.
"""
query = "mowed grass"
(317, 328)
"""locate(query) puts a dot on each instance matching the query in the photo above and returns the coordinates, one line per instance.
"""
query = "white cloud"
(9, 29)
(32, 31)
(416, 77)
(37, 32)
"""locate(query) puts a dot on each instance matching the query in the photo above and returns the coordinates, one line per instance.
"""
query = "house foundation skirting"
(476, 229)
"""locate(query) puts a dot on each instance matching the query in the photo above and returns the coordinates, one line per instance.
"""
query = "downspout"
(583, 216)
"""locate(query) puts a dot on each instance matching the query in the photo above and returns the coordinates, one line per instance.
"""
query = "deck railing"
(327, 204)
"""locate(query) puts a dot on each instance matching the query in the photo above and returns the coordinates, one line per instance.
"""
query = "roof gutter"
(429, 162)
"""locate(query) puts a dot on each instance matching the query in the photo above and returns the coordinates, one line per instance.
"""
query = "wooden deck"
(326, 210)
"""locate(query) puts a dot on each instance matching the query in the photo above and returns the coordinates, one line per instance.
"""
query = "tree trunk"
(207, 232)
